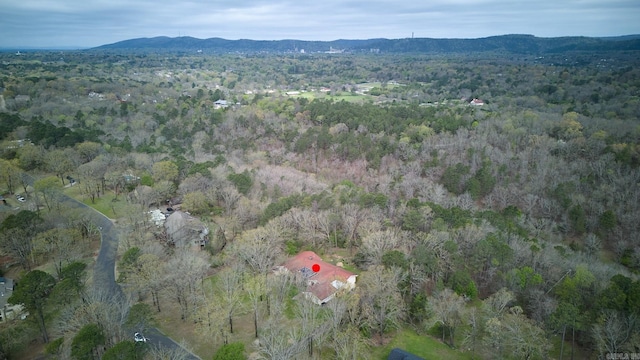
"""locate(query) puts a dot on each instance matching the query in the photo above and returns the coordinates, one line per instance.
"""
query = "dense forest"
(503, 230)
(506, 44)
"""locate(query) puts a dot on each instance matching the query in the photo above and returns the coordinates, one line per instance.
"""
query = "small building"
(476, 102)
(185, 230)
(323, 279)
(220, 104)
(8, 312)
(129, 178)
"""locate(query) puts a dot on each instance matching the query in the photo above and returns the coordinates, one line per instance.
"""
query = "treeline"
(499, 229)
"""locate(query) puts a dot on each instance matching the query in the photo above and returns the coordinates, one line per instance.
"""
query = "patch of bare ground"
(34, 351)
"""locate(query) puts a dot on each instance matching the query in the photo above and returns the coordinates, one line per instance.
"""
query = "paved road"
(104, 271)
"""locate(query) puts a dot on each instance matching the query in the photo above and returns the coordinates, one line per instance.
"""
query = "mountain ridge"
(511, 43)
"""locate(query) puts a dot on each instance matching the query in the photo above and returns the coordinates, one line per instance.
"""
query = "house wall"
(351, 281)
(329, 298)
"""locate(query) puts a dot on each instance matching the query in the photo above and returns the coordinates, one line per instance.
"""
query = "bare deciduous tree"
(99, 306)
(349, 344)
(376, 244)
(228, 293)
(260, 248)
(59, 245)
(447, 307)
(381, 301)
(229, 197)
(160, 352)
(352, 216)
(91, 178)
(59, 162)
(613, 330)
(184, 280)
(17, 242)
(10, 174)
(255, 288)
(279, 342)
(517, 335)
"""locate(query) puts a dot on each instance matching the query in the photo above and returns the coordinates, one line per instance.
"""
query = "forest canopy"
(506, 225)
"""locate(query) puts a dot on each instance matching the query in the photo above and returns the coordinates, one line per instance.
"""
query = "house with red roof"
(323, 279)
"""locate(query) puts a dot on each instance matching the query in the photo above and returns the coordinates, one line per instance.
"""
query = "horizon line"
(85, 47)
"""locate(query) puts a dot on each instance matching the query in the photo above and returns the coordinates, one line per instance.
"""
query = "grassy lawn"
(346, 96)
(424, 346)
(350, 97)
(170, 324)
(183, 332)
(308, 95)
(369, 85)
(107, 204)
(579, 353)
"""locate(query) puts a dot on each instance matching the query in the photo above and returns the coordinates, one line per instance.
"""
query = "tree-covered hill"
(515, 44)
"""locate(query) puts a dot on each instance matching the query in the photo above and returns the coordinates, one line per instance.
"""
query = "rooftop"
(322, 283)
(6, 289)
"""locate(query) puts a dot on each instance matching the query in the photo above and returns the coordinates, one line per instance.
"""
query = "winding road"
(104, 275)
(104, 271)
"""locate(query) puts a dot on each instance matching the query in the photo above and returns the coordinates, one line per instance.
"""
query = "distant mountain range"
(514, 44)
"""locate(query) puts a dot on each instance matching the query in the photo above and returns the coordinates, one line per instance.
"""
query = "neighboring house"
(185, 230)
(323, 284)
(476, 102)
(220, 104)
(8, 312)
(130, 178)
(14, 144)
(399, 354)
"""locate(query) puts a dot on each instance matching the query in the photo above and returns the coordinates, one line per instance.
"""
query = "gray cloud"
(85, 23)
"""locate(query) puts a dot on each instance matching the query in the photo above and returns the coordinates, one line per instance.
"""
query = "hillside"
(514, 44)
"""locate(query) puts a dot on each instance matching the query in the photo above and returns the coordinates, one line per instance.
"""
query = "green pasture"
(107, 204)
(424, 346)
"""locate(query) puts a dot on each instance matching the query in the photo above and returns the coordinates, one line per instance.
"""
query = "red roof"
(320, 282)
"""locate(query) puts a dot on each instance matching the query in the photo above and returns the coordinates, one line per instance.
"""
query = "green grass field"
(346, 96)
(108, 204)
(370, 85)
(351, 97)
(424, 346)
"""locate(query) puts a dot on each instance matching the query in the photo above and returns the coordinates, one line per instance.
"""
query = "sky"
(90, 23)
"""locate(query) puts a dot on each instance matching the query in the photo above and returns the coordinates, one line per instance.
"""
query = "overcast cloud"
(88, 23)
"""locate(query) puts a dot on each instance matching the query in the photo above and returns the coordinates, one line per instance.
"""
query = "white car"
(20, 198)
(137, 337)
